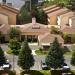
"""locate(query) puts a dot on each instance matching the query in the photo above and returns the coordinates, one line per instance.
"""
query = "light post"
(13, 62)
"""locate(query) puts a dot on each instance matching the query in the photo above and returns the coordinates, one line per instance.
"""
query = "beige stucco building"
(58, 16)
(7, 15)
(32, 32)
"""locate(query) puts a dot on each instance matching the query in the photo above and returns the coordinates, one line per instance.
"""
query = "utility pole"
(13, 62)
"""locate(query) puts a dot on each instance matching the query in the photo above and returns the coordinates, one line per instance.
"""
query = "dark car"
(44, 65)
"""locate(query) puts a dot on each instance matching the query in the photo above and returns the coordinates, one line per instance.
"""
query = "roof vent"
(36, 27)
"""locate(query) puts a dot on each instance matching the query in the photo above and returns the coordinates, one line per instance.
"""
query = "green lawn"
(11, 52)
(46, 72)
(43, 52)
(35, 72)
(68, 53)
(38, 52)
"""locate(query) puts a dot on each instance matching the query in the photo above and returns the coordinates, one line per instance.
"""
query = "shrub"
(54, 30)
(73, 38)
(73, 59)
(7, 71)
(32, 72)
(15, 52)
(65, 37)
(9, 51)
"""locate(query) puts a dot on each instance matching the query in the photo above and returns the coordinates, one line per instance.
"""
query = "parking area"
(38, 58)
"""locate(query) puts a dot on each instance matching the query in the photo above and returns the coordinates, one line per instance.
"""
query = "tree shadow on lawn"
(32, 72)
(72, 73)
(65, 49)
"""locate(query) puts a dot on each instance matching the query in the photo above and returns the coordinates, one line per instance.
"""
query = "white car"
(65, 67)
(6, 66)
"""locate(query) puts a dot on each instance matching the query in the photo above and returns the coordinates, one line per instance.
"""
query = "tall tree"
(71, 4)
(25, 58)
(55, 57)
(24, 16)
(39, 14)
(73, 38)
(2, 57)
(14, 33)
(73, 59)
(1, 37)
(14, 45)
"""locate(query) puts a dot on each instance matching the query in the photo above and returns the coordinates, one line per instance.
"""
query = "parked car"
(44, 65)
(65, 67)
(7, 65)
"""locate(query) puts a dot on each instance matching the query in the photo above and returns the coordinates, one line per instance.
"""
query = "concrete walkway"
(33, 52)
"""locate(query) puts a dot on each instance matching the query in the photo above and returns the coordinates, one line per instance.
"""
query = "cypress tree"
(25, 58)
(73, 59)
(2, 57)
(55, 57)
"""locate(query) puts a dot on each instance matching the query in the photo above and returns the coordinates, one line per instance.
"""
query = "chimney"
(33, 20)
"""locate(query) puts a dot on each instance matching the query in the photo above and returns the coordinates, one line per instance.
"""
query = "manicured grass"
(73, 71)
(43, 52)
(46, 72)
(35, 72)
(15, 52)
(9, 51)
(38, 52)
(69, 53)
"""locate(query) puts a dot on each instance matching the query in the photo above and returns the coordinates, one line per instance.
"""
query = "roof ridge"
(50, 7)
(9, 8)
(53, 10)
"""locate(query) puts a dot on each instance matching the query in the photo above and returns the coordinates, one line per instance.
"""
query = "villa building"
(33, 32)
(62, 18)
(58, 16)
(7, 15)
(17, 4)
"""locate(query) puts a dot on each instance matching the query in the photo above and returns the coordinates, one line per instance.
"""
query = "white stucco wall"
(70, 22)
(58, 20)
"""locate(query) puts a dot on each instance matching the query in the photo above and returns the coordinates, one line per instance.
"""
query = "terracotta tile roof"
(52, 10)
(68, 30)
(72, 17)
(49, 8)
(49, 38)
(57, 12)
(4, 28)
(30, 27)
(10, 8)
(64, 12)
